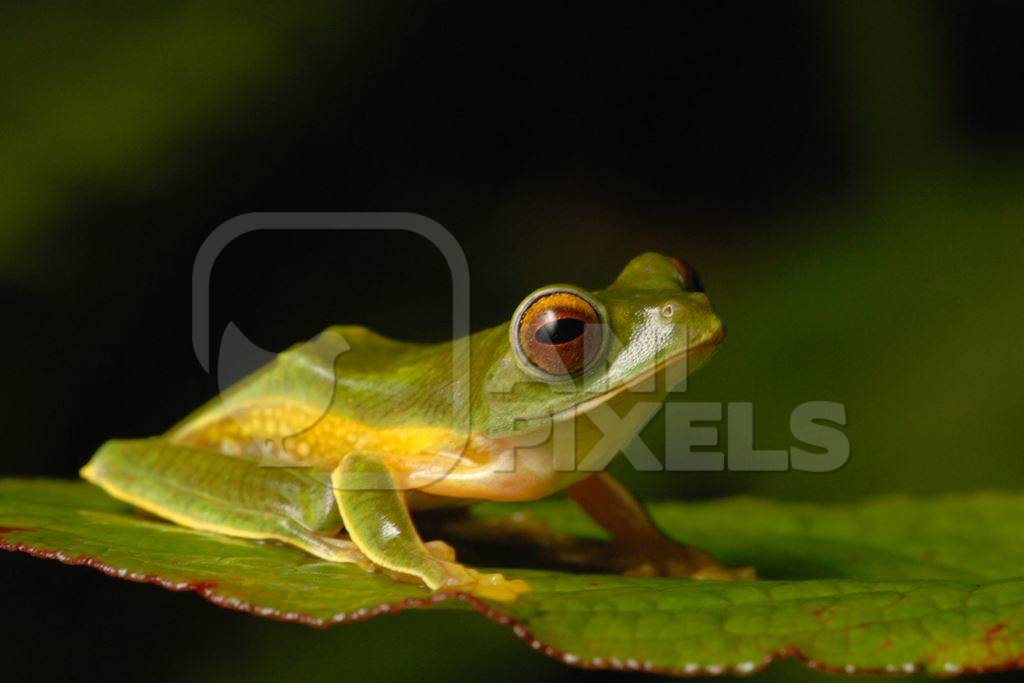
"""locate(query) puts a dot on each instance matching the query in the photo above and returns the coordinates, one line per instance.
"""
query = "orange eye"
(558, 333)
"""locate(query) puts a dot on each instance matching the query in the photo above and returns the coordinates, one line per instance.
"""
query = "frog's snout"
(693, 310)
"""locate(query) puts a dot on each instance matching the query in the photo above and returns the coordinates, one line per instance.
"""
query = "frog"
(334, 445)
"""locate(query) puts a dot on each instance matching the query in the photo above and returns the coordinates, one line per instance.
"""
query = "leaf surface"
(890, 585)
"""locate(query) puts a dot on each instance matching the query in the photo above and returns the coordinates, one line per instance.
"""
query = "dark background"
(847, 176)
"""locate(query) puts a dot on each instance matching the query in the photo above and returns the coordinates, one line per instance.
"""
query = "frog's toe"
(685, 562)
(488, 586)
(441, 550)
(497, 587)
(720, 573)
(685, 570)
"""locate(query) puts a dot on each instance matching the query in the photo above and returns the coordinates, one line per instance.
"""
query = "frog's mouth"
(695, 356)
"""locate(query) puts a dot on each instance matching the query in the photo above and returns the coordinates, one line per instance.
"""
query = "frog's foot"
(448, 574)
(638, 547)
(445, 575)
(677, 560)
(660, 558)
(483, 585)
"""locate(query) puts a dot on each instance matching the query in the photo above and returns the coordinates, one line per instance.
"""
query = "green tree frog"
(329, 451)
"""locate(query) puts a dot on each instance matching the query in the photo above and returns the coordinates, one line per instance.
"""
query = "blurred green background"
(847, 176)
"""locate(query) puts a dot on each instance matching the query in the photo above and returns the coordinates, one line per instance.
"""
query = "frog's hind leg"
(230, 495)
(377, 519)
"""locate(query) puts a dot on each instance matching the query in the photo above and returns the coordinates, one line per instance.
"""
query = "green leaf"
(890, 585)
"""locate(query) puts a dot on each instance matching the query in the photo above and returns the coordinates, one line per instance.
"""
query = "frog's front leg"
(638, 547)
(377, 519)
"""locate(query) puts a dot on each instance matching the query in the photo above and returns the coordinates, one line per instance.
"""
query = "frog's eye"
(558, 333)
(688, 278)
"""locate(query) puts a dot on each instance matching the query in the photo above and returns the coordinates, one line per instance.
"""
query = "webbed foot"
(482, 585)
(452, 576)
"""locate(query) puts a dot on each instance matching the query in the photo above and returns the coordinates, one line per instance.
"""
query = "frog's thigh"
(234, 496)
(377, 519)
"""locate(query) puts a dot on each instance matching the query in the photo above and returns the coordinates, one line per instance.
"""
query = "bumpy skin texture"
(440, 423)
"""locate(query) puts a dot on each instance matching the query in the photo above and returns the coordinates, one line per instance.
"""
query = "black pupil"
(560, 331)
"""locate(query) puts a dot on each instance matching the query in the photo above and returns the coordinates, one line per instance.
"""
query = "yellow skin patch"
(299, 433)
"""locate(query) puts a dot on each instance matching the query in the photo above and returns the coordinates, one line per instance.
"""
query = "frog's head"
(568, 350)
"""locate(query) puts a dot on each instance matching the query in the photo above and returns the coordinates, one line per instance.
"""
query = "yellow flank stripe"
(297, 432)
